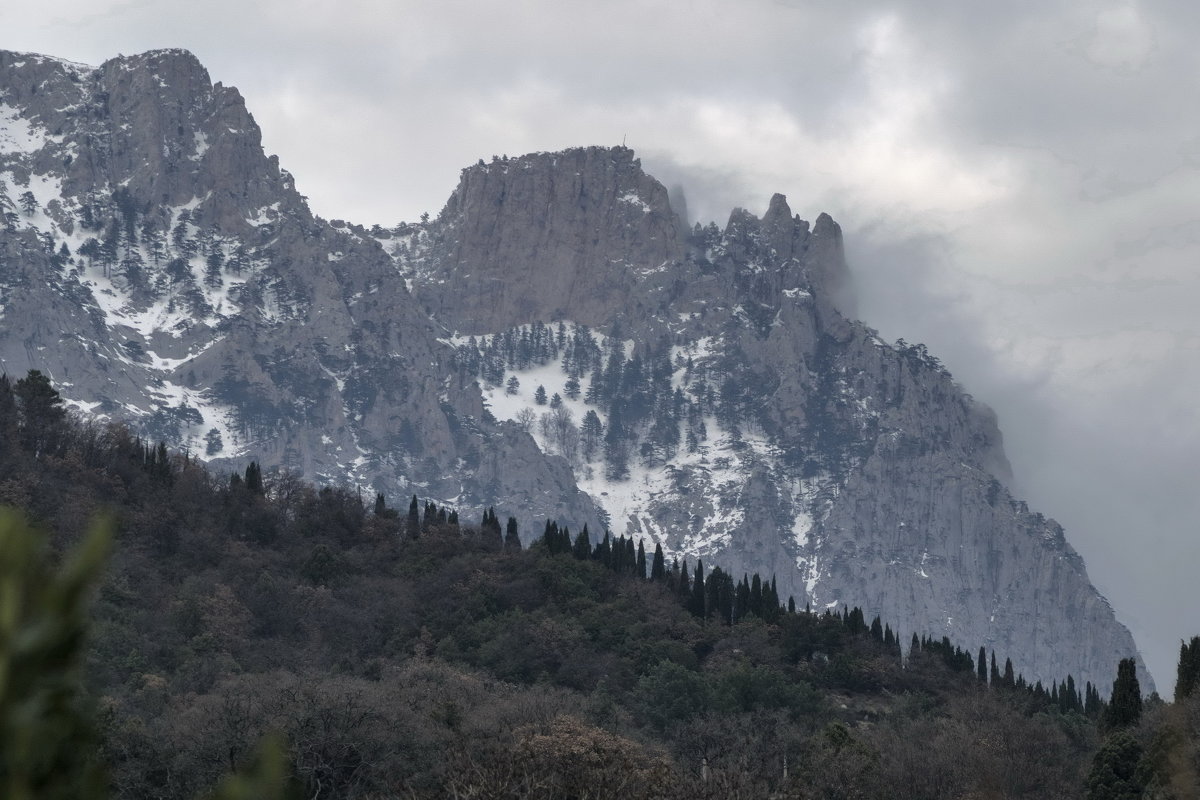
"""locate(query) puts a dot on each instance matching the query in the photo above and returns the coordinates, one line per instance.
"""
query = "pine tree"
(1114, 774)
(40, 413)
(539, 395)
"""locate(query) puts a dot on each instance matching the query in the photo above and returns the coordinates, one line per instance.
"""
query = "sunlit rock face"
(706, 389)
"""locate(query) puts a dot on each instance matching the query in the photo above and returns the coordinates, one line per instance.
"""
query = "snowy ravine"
(706, 476)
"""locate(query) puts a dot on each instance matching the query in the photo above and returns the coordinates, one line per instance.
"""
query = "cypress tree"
(1125, 705)
(640, 569)
(1010, 681)
(582, 549)
(380, 504)
(877, 629)
(658, 565)
(696, 599)
(741, 598)
(414, 517)
(1187, 674)
(771, 606)
(511, 538)
(915, 647)
(683, 585)
(712, 592)
(792, 606)
(756, 596)
(254, 478)
(994, 674)
(725, 598)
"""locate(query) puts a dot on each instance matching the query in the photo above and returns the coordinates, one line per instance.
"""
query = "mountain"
(705, 388)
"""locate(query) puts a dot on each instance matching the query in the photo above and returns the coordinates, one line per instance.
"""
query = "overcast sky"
(1018, 183)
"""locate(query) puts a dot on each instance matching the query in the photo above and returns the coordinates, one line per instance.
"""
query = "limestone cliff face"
(706, 389)
(583, 226)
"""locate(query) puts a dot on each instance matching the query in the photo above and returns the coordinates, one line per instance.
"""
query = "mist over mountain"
(555, 340)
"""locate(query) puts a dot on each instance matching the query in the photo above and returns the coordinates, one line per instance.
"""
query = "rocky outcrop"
(548, 236)
(707, 389)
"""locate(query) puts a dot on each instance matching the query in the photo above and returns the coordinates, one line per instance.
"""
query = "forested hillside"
(404, 652)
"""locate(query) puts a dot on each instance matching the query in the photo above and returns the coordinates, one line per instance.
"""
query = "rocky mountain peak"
(583, 226)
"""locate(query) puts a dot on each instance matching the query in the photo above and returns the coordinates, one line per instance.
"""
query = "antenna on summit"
(623, 139)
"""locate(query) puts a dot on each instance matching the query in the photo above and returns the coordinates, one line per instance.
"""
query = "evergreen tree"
(40, 413)
(380, 504)
(582, 549)
(756, 600)
(994, 673)
(683, 585)
(697, 599)
(658, 565)
(414, 517)
(1114, 774)
(1187, 674)
(981, 666)
(8, 414)
(771, 607)
(1125, 704)
(640, 569)
(254, 482)
(1008, 679)
(539, 395)
(741, 598)
(511, 538)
